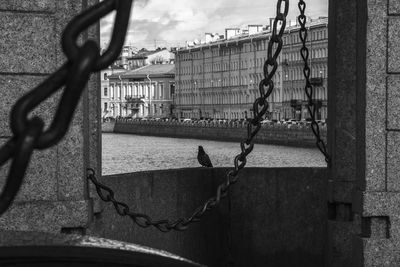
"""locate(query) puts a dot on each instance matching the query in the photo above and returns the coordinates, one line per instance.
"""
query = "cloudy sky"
(167, 23)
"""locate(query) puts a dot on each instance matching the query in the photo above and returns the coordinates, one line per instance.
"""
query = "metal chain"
(312, 108)
(260, 107)
(28, 133)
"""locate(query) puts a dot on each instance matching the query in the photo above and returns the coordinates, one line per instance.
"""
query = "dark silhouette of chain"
(29, 133)
(312, 107)
(260, 107)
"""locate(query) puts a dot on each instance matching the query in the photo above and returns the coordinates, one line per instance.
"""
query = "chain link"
(260, 107)
(311, 107)
(27, 132)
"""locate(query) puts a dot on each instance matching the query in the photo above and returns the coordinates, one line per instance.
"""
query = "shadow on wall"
(277, 215)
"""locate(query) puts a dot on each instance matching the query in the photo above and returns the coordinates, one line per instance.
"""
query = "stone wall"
(107, 127)
(277, 216)
(269, 134)
(54, 193)
(377, 197)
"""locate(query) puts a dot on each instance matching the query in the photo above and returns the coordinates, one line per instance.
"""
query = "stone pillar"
(342, 101)
(377, 200)
(54, 195)
(364, 129)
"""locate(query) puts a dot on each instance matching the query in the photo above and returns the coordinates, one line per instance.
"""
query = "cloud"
(176, 21)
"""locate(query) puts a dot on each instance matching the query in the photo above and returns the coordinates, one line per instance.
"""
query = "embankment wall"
(268, 134)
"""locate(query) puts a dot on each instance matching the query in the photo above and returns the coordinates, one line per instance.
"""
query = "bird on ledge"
(203, 158)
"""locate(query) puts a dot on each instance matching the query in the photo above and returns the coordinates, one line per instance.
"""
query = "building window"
(161, 90)
(105, 106)
(105, 91)
(105, 76)
(112, 91)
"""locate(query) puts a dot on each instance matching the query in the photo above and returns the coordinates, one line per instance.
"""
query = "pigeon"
(203, 158)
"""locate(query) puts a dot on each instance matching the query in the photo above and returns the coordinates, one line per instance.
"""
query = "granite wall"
(377, 199)
(54, 194)
(274, 216)
(268, 134)
(364, 68)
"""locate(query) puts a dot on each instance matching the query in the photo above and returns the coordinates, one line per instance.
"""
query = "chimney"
(253, 29)
(231, 32)
(209, 37)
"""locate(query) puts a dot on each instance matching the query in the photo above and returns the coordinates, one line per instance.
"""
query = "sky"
(170, 23)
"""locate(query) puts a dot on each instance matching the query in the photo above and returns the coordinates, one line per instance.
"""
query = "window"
(161, 90)
(112, 91)
(105, 76)
(105, 106)
(105, 91)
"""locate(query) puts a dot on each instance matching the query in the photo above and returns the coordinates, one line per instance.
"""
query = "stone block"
(393, 99)
(393, 168)
(339, 243)
(380, 204)
(394, 7)
(32, 5)
(341, 191)
(41, 171)
(15, 87)
(30, 39)
(377, 252)
(71, 171)
(393, 56)
(46, 216)
(345, 156)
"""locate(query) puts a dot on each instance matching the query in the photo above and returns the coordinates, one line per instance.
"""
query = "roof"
(144, 54)
(157, 70)
(244, 37)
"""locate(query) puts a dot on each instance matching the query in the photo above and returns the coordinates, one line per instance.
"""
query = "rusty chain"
(260, 107)
(312, 107)
(29, 133)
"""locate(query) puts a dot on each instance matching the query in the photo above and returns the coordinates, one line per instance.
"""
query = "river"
(123, 153)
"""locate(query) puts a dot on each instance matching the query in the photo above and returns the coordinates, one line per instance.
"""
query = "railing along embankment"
(293, 135)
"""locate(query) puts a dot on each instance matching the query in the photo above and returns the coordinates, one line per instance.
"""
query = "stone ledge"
(100, 247)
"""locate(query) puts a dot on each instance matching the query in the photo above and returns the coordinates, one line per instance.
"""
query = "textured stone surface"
(340, 237)
(32, 5)
(32, 187)
(15, 87)
(393, 47)
(46, 216)
(269, 207)
(71, 168)
(341, 191)
(375, 97)
(394, 7)
(32, 33)
(378, 252)
(393, 166)
(380, 204)
(30, 39)
(393, 99)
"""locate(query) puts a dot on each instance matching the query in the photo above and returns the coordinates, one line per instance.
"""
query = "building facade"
(219, 78)
(143, 92)
(105, 93)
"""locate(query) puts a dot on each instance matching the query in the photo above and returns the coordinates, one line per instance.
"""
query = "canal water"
(123, 153)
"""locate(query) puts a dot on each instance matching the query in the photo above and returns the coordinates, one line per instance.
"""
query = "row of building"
(219, 76)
